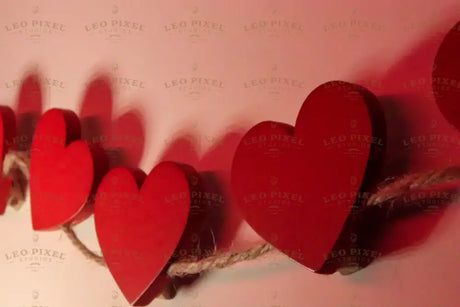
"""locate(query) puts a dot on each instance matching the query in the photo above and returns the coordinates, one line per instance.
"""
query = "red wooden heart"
(446, 77)
(138, 230)
(7, 133)
(61, 171)
(296, 185)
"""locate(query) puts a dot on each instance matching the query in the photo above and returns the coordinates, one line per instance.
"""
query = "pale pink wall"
(384, 56)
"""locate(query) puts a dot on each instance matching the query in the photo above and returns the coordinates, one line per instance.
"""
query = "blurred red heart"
(297, 185)
(139, 229)
(7, 133)
(61, 171)
(446, 77)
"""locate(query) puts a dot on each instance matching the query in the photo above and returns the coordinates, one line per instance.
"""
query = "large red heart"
(61, 171)
(138, 230)
(297, 185)
(7, 133)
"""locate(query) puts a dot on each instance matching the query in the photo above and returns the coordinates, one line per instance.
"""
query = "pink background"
(388, 46)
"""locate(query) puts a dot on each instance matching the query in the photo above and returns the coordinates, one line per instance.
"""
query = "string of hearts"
(278, 181)
(141, 220)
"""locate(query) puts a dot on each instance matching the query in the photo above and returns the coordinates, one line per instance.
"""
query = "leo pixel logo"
(195, 28)
(352, 256)
(442, 85)
(431, 25)
(351, 143)
(353, 194)
(196, 85)
(125, 81)
(116, 27)
(121, 81)
(431, 144)
(35, 27)
(47, 82)
(195, 140)
(35, 257)
(275, 145)
(273, 83)
(275, 199)
(274, 26)
(353, 25)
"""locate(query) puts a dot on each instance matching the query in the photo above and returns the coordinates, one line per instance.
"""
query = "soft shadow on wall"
(416, 134)
(214, 218)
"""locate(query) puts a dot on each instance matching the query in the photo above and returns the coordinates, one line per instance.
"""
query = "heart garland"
(139, 254)
(298, 187)
(116, 209)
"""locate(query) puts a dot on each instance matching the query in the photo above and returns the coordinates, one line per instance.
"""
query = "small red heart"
(61, 171)
(138, 230)
(296, 185)
(7, 133)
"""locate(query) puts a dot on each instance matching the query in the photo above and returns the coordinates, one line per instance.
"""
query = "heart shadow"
(405, 223)
(113, 142)
(213, 219)
(29, 108)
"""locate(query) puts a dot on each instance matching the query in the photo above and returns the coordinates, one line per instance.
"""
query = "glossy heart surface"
(297, 185)
(61, 171)
(139, 228)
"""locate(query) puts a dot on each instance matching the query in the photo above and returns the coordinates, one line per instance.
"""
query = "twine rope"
(184, 267)
(16, 167)
(413, 182)
(20, 161)
(82, 247)
(389, 191)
